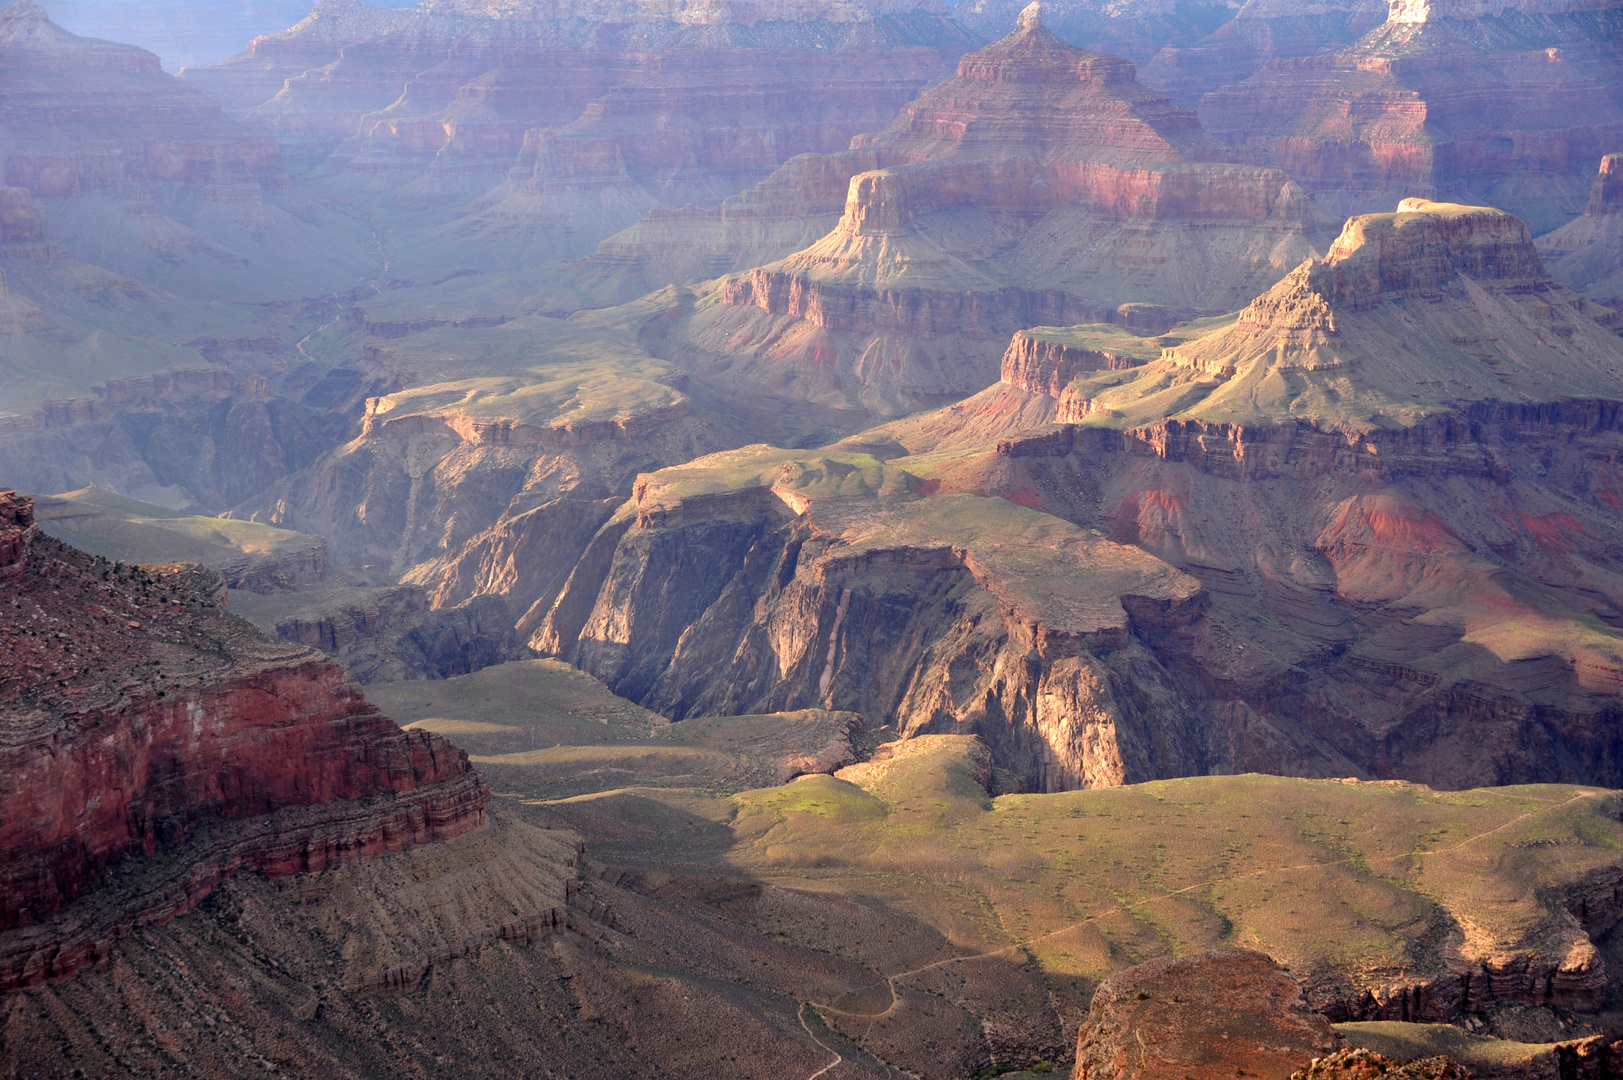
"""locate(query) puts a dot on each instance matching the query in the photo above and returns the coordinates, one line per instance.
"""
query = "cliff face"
(1391, 474)
(1041, 185)
(138, 713)
(772, 597)
(1449, 103)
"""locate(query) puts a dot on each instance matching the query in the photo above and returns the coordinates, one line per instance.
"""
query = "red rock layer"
(1204, 1017)
(134, 711)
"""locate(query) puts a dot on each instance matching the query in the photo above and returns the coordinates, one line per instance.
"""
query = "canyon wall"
(139, 713)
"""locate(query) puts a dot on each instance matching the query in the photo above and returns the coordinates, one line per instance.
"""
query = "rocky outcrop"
(1587, 253)
(137, 713)
(207, 435)
(757, 599)
(1449, 104)
(1045, 366)
(1366, 1065)
(1217, 1014)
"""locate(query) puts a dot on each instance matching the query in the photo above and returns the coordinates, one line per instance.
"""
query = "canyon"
(819, 539)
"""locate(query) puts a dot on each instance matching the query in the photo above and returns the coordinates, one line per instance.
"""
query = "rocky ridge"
(1401, 454)
(142, 715)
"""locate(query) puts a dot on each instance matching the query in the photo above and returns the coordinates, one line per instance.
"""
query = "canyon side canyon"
(812, 539)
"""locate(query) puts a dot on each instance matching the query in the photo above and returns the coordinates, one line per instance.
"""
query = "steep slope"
(1587, 253)
(140, 719)
(1392, 476)
(1041, 184)
(1503, 104)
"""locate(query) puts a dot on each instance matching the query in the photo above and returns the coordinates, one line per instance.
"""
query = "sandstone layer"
(138, 713)
(1041, 185)
(1505, 104)
(1201, 1017)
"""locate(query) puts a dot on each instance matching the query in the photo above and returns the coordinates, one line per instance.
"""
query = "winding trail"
(890, 980)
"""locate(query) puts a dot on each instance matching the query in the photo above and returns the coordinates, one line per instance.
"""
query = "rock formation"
(1261, 31)
(1507, 104)
(138, 714)
(1201, 1017)
(1399, 458)
(1587, 253)
(1137, 29)
(1042, 184)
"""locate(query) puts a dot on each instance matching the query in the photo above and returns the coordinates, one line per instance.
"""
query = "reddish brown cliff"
(136, 712)
(1104, 193)
(1204, 1017)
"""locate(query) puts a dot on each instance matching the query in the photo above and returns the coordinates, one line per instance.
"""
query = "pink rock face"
(135, 711)
(1048, 367)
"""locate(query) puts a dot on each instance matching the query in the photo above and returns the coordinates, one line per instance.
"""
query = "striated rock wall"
(138, 712)
(1048, 367)
(733, 604)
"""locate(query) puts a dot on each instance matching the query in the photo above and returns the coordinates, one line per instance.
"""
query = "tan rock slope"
(1041, 184)
(1499, 103)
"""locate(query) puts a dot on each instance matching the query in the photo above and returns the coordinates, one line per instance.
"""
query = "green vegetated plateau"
(1354, 885)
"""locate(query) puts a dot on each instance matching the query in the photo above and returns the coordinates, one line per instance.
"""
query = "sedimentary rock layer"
(137, 711)
(1587, 253)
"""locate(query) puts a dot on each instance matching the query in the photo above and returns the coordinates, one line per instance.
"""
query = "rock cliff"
(1391, 474)
(137, 714)
(149, 178)
(1505, 104)
(553, 128)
